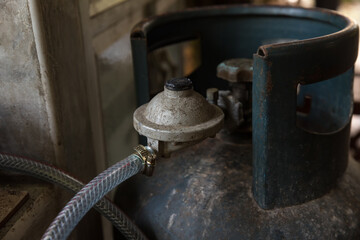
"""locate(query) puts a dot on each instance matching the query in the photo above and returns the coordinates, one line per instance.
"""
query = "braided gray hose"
(51, 174)
(83, 201)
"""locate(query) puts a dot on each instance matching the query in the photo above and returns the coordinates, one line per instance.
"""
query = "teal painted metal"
(291, 165)
(297, 156)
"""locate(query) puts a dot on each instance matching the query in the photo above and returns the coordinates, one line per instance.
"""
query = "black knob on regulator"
(179, 84)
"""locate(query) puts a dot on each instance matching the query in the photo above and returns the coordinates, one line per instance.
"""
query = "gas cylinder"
(266, 156)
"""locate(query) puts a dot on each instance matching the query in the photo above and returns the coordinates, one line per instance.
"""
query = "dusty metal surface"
(205, 192)
(297, 165)
(297, 157)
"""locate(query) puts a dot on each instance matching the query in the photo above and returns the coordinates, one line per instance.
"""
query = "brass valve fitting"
(148, 155)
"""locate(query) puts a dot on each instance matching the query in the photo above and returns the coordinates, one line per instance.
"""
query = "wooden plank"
(10, 203)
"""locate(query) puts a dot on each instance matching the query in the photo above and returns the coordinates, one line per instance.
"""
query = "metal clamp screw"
(148, 155)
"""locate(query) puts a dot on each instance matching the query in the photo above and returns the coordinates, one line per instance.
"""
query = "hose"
(51, 174)
(83, 201)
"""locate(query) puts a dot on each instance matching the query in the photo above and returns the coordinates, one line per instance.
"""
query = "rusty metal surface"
(205, 193)
(297, 157)
(297, 164)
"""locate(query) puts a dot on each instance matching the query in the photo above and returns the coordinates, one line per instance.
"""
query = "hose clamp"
(148, 156)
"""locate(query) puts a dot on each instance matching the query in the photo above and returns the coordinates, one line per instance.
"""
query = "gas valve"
(236, 103)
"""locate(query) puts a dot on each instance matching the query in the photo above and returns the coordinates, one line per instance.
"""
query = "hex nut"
(236, 70)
